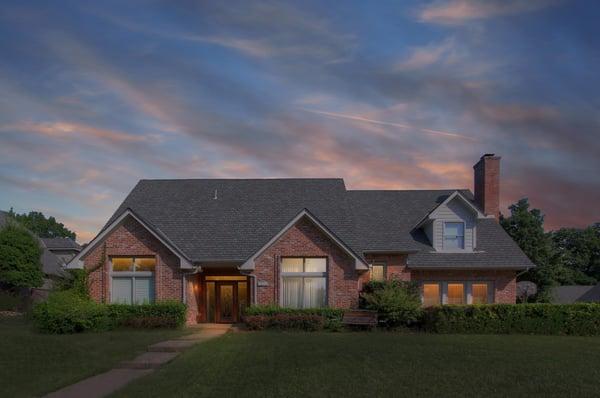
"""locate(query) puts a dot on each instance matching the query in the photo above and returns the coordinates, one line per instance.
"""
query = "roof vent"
(216, 197)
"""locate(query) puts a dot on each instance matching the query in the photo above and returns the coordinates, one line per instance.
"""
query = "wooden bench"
(365, 318)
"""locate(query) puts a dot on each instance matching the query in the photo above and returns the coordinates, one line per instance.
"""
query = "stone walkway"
(157, 355)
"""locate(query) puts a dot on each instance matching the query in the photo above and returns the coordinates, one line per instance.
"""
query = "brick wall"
(132, 239)
(505, 282)
(396, 266)
(306, 240)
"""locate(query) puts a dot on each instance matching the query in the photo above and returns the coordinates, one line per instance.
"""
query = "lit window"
(378, 272)
(456, 293)
(479, 293)
(431, 294)
(132, 280)
(304, 282)
(454, 235)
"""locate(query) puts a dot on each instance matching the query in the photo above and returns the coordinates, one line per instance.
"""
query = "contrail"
(383, 123)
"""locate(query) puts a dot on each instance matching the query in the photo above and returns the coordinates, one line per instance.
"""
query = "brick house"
(222, 244)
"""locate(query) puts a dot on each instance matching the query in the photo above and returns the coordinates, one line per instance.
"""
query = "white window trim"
(131, 274)
(468, 291)
(303, 275)
(454, 250)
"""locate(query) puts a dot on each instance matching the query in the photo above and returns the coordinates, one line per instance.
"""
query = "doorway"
(226, 298)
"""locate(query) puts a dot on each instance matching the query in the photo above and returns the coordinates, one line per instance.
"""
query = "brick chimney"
(487, 184)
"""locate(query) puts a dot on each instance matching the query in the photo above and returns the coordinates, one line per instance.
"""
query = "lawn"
(32, 363)
(270, 364)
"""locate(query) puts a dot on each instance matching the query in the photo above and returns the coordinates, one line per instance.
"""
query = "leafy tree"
(526, 227)
(19, 258)
(578, 250)
(43, 227)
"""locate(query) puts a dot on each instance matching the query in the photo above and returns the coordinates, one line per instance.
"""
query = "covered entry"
(224, 298)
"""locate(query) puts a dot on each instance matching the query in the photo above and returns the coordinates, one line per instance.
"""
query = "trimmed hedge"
(170, 314)
(261, 317)
(560, 319)
(68, 312)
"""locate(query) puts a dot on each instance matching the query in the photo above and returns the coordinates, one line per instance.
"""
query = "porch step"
(214, 326)
(172, 345)
(148, 360)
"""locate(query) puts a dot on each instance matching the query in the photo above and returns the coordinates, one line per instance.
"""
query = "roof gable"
(359, 262)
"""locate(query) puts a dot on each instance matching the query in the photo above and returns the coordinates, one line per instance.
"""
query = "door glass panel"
(242, 296)
(210, 299)
(226, 302)
(456, 293)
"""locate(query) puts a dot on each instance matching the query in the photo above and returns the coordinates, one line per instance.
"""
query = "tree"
(578, 250)
(19, 258)
(43, 227)
(526, 227)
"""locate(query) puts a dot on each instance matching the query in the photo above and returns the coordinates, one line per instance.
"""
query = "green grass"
(32, 363)
(271, 364)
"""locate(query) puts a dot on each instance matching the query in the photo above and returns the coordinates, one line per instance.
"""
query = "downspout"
(184, 284)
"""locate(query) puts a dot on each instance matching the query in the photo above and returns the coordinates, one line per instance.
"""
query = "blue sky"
(392, 95)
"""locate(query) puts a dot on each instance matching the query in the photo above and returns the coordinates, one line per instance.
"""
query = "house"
(222, 244)
(575, 294)
(56, 253)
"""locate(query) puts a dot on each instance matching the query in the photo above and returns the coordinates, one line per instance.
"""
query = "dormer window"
(454, 236)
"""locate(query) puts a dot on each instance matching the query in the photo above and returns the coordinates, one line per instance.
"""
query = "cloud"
(456, 12)
(68, 130)
(421, 57)
(362, 119)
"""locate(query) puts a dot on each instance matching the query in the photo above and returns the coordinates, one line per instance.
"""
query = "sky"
(388, 95)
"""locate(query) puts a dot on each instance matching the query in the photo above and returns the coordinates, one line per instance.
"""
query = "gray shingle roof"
(575, 293)
(61, 243)
(248, 213)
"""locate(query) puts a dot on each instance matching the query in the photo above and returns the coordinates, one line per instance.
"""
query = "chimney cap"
(488, 155)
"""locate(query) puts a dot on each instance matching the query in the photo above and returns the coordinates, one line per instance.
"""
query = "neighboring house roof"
(575, 293)
(51, 264)
(212, 220)
(61, 244)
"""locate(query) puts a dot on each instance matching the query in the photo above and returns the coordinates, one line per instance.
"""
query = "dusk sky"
(387, 95)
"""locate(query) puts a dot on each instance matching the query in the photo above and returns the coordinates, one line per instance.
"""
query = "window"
(304, 282)
(132, 280)
(479, 293)
(378, 271)
(435, 293)
(431, 294)
(456, 293)
(454, 235)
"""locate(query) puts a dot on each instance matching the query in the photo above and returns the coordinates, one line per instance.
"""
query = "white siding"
(453, 211)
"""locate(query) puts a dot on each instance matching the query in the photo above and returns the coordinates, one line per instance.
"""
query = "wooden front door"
(226, 303)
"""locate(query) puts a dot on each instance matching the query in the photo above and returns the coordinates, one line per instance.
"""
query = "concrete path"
(157, 355)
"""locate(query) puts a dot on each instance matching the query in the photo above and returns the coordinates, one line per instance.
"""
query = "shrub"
(567, 319)
(77, 282)
(398, 303)
(67, 312)
(262, 317)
